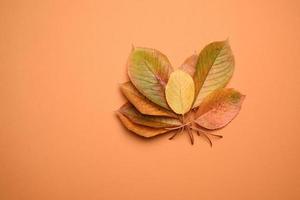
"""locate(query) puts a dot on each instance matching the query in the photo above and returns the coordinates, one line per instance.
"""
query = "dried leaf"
(158, 95)
(219, 108)
(142, 104)
(214, 69)
(180, 91)
(139, 129)
(152, 121)
(149, 70)
(189, 65)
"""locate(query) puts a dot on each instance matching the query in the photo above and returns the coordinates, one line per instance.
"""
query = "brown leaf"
(189, 65)
(219, 108)
(143, 131)
(152, 121)
(142, 104)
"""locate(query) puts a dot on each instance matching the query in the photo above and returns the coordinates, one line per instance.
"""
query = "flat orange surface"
(60, 66)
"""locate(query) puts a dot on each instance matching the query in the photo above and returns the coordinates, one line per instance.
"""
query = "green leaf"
(214, 69)
(219, 108)
(142, 104)
(140, 130)
(149, 70)
(180, 92)
(152, 121)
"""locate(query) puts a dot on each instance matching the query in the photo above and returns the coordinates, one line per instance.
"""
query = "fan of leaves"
(191, 98)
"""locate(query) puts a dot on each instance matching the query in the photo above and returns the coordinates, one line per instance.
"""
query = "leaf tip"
(243, 96)
(132, 47)
(121, 85)
(118, 113)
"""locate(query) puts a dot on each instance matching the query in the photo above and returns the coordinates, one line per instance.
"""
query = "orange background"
(60, 66)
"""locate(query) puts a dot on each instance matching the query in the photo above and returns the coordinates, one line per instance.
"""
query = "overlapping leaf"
(219, 108)
(180, 92)
(214, 69)
(149, 71)
(144, 131)
(162, 99)
(142, 104)
(189, 65)
(152, 121)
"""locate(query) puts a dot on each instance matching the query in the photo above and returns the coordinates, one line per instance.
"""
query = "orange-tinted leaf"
(219, 108)
(149, 71)
(152, 121)
(142, 104)
(139, 129)
(189, 65)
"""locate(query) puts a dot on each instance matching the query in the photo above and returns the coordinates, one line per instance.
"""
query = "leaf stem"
(177, 127)
(202, 131)
(174, 135)
(197, 129)
(209, 140)
(190, 134)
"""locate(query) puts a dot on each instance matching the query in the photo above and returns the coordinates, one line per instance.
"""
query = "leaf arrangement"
(191, 99)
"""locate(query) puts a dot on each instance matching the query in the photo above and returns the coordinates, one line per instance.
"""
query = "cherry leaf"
(189, 65)
(149, 70)
(214, 69)
(142, 104)
(143, 131)
(180, 92)
(152, 121)
(219, 108)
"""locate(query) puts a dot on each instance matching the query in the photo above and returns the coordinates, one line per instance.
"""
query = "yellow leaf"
(180, 92)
